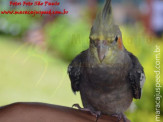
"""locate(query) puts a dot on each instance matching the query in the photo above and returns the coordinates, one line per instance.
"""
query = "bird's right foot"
(97, 114)
(121, 116)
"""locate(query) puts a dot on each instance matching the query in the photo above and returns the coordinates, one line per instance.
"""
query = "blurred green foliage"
(29, 74)
(67, 37)
(16, 25)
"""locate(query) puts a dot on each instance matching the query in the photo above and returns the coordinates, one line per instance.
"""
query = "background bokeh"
(35, 51)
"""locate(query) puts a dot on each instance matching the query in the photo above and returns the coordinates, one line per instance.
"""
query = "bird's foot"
(77, 106)
(97, 114)
(120, 116)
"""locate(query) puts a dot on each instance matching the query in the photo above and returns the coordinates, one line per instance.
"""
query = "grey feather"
(75, 71)
(136, 77)
(107, 11)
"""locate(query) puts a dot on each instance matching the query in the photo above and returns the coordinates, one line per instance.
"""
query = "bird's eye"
(116, 38)
(93, 42)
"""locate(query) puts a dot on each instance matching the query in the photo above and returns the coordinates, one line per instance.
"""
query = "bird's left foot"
(121, 116)
(97, 114)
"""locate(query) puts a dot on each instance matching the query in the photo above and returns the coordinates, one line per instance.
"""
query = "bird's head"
(105, 36)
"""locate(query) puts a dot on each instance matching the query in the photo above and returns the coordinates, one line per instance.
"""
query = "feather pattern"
(136, 77)
(103, 27)
(107, 10)
(75, 71)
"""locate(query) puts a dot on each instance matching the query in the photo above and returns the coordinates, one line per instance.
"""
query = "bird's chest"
(102, 76)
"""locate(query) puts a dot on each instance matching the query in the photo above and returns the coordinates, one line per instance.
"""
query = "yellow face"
(105, 46)
(109, 38)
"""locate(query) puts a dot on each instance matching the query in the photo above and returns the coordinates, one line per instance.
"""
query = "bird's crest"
(104, 27)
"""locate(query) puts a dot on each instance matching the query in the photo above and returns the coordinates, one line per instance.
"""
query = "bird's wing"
(136, 77)
(75, 71)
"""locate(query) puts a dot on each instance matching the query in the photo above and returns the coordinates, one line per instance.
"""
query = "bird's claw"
(97, 114)
(120, 116)
(77, 106)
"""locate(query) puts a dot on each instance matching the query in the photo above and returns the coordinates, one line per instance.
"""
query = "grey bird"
(107, 75)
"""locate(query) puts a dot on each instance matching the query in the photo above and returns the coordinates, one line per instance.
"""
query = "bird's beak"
(101, 50)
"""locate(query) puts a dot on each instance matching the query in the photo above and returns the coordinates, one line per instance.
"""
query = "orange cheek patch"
(120, 43)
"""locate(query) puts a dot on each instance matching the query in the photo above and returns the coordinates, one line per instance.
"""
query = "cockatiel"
(107, 75)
